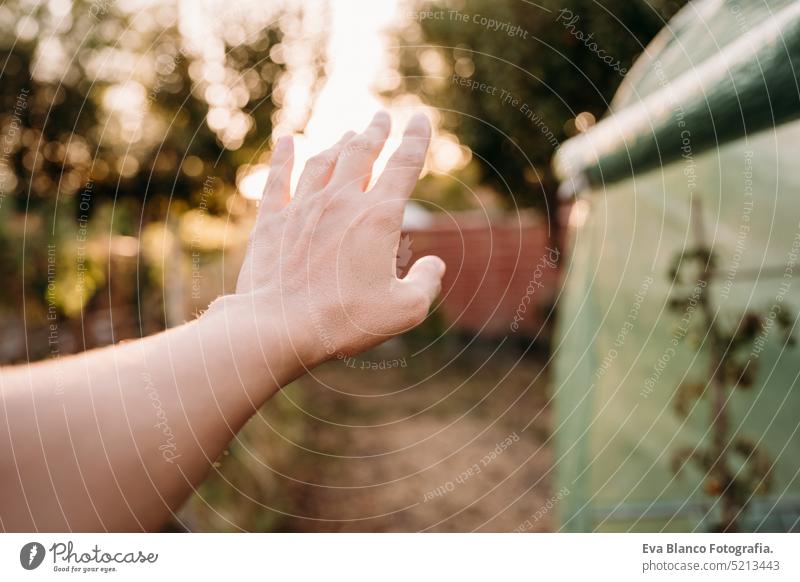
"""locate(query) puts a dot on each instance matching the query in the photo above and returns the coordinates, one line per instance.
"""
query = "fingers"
(319, 169)
(404, 167)
(277, 191)
(425, 278)
(354, 166)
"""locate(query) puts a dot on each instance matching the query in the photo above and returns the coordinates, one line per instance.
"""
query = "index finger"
(354, 166)
(405, 165)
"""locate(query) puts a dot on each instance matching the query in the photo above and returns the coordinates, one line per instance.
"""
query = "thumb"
(425, 276)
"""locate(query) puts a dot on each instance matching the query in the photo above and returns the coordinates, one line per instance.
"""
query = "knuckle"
(334, 199)
(348, 184)
(409, 156)
(386, 218)
(417, 306)
(361, 145)
(323, 160)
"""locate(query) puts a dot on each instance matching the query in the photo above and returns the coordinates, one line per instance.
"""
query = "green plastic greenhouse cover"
(717, 94)
(700, 150)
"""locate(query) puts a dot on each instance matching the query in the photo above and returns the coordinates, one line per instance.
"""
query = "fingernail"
(419, 118)
(440, 265)
(381, 116)
(419, 121)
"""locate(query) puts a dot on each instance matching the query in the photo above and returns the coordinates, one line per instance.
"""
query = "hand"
(319, 281)
(323, 263)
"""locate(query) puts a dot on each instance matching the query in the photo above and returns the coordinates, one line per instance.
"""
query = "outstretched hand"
(318, 282)
(324, 261)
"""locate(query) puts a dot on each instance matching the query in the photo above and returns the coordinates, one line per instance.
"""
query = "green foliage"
(113, 117)
(130, 111)
(536, 77)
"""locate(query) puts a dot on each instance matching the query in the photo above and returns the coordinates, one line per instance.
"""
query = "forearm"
(117, 438)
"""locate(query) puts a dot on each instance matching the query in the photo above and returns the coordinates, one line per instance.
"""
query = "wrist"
(272, 334)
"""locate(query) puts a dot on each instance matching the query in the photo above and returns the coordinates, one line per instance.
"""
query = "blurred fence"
(502, 273)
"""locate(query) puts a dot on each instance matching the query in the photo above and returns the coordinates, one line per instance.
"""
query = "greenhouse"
(676, 376)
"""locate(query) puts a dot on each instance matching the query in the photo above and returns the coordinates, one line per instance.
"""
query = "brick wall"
(502, 274)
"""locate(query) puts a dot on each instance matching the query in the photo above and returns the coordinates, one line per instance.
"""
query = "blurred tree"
(148, 108)
(514, 79)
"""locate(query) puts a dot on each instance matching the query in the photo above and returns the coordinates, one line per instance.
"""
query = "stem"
(730, 506)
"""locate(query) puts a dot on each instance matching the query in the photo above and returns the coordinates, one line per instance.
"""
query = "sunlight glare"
(357, 63)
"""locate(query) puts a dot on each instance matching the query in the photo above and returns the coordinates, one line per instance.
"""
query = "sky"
(357, 57)
(357, 61)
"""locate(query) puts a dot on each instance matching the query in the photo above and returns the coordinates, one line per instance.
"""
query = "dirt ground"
(448, 439)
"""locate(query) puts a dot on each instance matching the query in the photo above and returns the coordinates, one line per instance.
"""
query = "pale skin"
(116, 439)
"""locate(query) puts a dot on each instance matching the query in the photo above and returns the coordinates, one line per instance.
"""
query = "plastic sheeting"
(622, 352)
